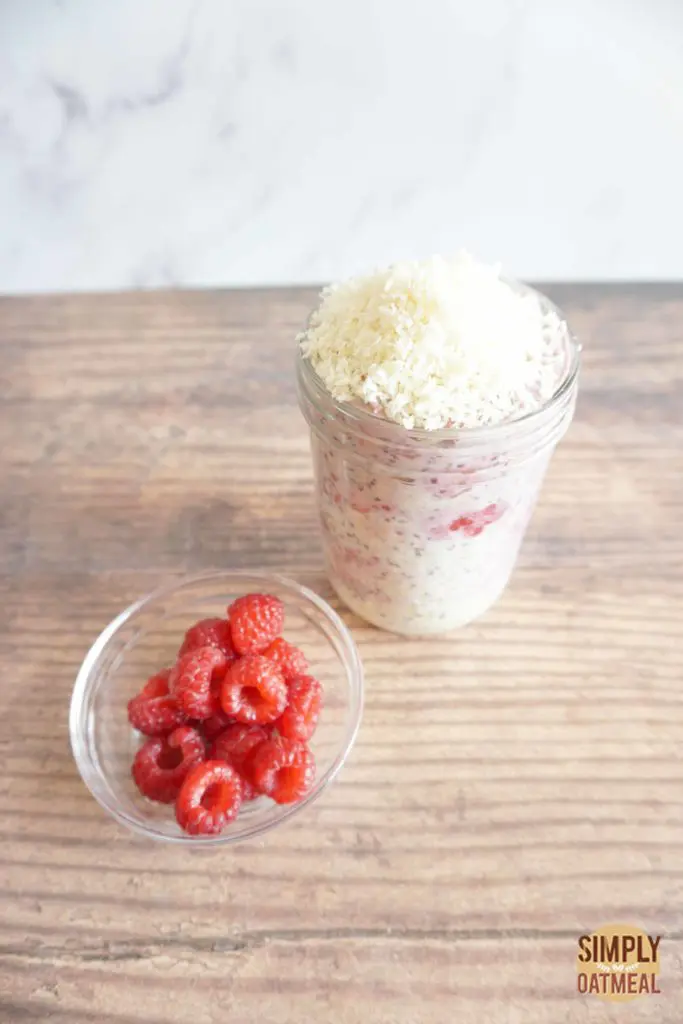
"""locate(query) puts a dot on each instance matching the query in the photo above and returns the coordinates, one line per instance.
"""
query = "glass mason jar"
(421, 529)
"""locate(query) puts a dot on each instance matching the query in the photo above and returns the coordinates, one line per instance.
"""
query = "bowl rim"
(77, 727)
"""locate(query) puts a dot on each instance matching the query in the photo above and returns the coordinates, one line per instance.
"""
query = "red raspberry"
(254, 690)
(288, 658)
(195, 681)
(209, 633)
(304, 701)
(218, 723)
(236, 745)
(255, 621)
(465, 523)
(282, 769)
(153, 712)
(209, 798)
(162, 762)
(474, 524)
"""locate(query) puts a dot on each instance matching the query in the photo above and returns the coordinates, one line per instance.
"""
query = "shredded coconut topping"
(437, 343)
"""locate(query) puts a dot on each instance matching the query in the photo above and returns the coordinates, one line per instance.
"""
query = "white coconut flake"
(436, 343)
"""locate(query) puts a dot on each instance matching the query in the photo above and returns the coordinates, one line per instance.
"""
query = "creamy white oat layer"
(421, 557)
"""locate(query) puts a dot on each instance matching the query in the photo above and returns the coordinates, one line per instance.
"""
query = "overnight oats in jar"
(435, 393)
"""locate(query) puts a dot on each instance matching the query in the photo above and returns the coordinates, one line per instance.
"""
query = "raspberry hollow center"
(170, 758)
(215, 795)
(253, 697)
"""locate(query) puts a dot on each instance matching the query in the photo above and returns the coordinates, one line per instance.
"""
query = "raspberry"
(162, 762)
(304, 701)
(195, 681)
(255, 621)
(209, 633)
(153, 711)
(474, 524)
(236, 745)
(209, 798)
(282, 769)
(465, 523)
(288, 658)
(254, 690)
(218, 723)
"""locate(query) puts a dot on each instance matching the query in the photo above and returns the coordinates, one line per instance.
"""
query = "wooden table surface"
(445, 880)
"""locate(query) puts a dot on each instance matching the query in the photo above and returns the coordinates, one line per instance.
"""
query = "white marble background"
(203, 142)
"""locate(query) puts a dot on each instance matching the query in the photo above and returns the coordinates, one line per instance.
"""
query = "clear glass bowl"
(145, 637)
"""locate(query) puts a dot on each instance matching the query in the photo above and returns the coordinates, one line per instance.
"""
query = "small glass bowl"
(146, 637)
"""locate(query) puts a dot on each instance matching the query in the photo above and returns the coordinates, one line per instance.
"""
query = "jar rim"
(361, 417)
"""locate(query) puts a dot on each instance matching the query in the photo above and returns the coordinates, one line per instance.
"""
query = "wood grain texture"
(512, 786)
